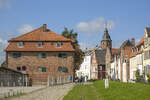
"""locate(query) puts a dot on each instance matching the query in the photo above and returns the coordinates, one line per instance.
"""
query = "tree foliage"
(148, 76)
(78, 58)
(4, 64)
(139, 78)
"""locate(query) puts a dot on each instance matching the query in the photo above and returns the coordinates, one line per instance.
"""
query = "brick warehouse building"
(41, 53)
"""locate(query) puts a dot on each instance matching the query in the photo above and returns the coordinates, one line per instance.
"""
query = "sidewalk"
(49, 93)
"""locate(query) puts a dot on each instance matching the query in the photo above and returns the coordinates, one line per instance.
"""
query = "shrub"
(148, 76)
(30, 81)
(139, 78)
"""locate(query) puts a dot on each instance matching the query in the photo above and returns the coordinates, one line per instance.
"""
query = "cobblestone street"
(50, 93)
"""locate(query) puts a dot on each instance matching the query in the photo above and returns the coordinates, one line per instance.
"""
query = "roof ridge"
(38, 35)
(25, 34)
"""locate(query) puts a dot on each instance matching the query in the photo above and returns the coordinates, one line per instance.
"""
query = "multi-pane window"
(59, 68)
(40, 44)
(16, 55)
(20, 44)
(62, 69)
(42, 55)
(42, 69)
(58, 44)
(62, 55)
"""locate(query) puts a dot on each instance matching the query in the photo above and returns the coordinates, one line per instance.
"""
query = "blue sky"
(127, 18)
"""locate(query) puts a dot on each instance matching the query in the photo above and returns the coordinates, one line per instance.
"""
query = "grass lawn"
(116, 91)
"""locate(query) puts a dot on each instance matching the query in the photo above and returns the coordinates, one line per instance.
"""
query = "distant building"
(120, 69)
(41, 53)
(146, 54)
(85, 67)
(136, 59)
(115, 64)
(125, 51)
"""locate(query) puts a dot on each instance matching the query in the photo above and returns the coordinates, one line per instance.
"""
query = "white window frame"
(21, 45)
(40, 44)
(58, 44)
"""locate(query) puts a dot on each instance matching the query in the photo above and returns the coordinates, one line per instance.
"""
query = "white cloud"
(3, 44)
(95, 25)
(25, 28)
(83, 45)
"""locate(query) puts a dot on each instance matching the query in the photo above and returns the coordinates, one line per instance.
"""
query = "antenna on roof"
(105, 24)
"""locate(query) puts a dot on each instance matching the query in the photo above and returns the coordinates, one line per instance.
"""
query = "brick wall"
(32, 62)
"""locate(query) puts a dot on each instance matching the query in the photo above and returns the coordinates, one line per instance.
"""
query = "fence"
(50, 80)
(10, 80)
(21, 85)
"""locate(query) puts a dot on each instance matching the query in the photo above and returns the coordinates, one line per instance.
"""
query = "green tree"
(78, 52)
(4, 64)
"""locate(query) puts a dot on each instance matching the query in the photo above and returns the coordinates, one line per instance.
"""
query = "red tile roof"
(31, 39)
(32, 46)
(39, 35)
(115, 50)
(141, 42)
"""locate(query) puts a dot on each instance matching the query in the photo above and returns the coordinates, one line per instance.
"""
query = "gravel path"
(49, 93)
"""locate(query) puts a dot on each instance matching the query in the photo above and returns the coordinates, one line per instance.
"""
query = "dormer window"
(58, 44)
(40, 44)
(20, 44)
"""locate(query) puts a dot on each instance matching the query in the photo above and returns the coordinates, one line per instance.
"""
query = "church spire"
(106, 40)
(106, 35)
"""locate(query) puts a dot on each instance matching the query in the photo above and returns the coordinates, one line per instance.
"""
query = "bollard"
(48, 81)
(106, 83)
(26, 81)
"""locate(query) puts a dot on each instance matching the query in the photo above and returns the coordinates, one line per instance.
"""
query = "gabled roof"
(48, 38)
(40, 35)
(100, 56)
(126, 43)
(140, 42)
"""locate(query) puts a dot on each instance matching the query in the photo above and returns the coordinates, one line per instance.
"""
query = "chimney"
(44, 27)
(133, 41)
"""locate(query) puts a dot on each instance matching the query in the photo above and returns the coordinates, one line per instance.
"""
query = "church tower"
(106, 40)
